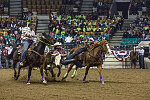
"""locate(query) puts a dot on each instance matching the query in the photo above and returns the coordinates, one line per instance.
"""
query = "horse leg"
(46, 72)
(52, 72)
(29, 74)
(59, 72)
(14, 67)
(100, 72)
(69, 69)
(43, 78)
(75, 72)
(86, 72)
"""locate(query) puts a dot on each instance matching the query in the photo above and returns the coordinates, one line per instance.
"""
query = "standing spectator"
(6, 42)
(149, 51)
(6, 24)
(29, 16)
(9, 58)
(0, 58)
(13, 24)
(141, 57)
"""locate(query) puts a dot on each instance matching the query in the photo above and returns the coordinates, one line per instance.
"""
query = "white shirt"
(140, 51)
(9, 50)
(27, 34)
(68, 39)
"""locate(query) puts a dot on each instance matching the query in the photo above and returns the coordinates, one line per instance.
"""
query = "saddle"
(21, 49)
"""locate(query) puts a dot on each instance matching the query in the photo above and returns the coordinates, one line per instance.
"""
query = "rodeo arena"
(74, 49)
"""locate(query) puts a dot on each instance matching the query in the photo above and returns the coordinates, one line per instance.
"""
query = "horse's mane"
(101, 43)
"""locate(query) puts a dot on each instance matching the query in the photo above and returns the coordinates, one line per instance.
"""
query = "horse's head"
(47, 38)
(105, 46)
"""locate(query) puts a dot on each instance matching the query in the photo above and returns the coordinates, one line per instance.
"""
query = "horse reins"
(43, 41)
(35, 52)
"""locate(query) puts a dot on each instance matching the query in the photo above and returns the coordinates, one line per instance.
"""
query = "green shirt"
(68, 17)
(62, 32)
(84, 30)
(94, 29)
(57, 31)
(78, 29)
(53, 29)
(89, 23)
(88, 29)
(146, 28)
(81, 35)
(94, 23)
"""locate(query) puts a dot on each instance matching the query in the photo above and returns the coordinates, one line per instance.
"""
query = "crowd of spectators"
(140, 28)
(10, 35)
(70, 7)
(10, 30)
(136, 6)
(3, 4)
(82, 28)
(101, 7)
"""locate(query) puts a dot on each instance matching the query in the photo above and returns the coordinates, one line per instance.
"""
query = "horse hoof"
(102, 82)
(58, 75)
(44, 82)
(53, 78)
(72, 76)
(16, 78)
(63, 79)
(28, 83)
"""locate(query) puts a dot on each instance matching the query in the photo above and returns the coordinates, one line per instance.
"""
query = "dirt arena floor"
(120, 84)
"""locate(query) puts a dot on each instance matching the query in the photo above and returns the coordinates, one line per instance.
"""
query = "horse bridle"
(43, 41)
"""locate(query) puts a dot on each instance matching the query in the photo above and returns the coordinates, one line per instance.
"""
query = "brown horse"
(92, 57)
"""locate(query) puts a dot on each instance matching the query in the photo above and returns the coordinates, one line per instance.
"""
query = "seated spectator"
(13, 24)
(88, 17)
(61, 40)
(148, 37)
(6, 24)
(68, 39)
(6, 42)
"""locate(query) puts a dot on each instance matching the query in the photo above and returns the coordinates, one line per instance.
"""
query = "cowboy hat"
(91, 39)
(57, 44)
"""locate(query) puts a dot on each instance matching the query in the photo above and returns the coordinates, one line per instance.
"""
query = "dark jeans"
(70, 59)
(141, 61)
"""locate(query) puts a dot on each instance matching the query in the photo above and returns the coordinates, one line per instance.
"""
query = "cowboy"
(133, 57)
(70, 59)
(58, 49)
(28, 36)
(58, 53)
(141, 57)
